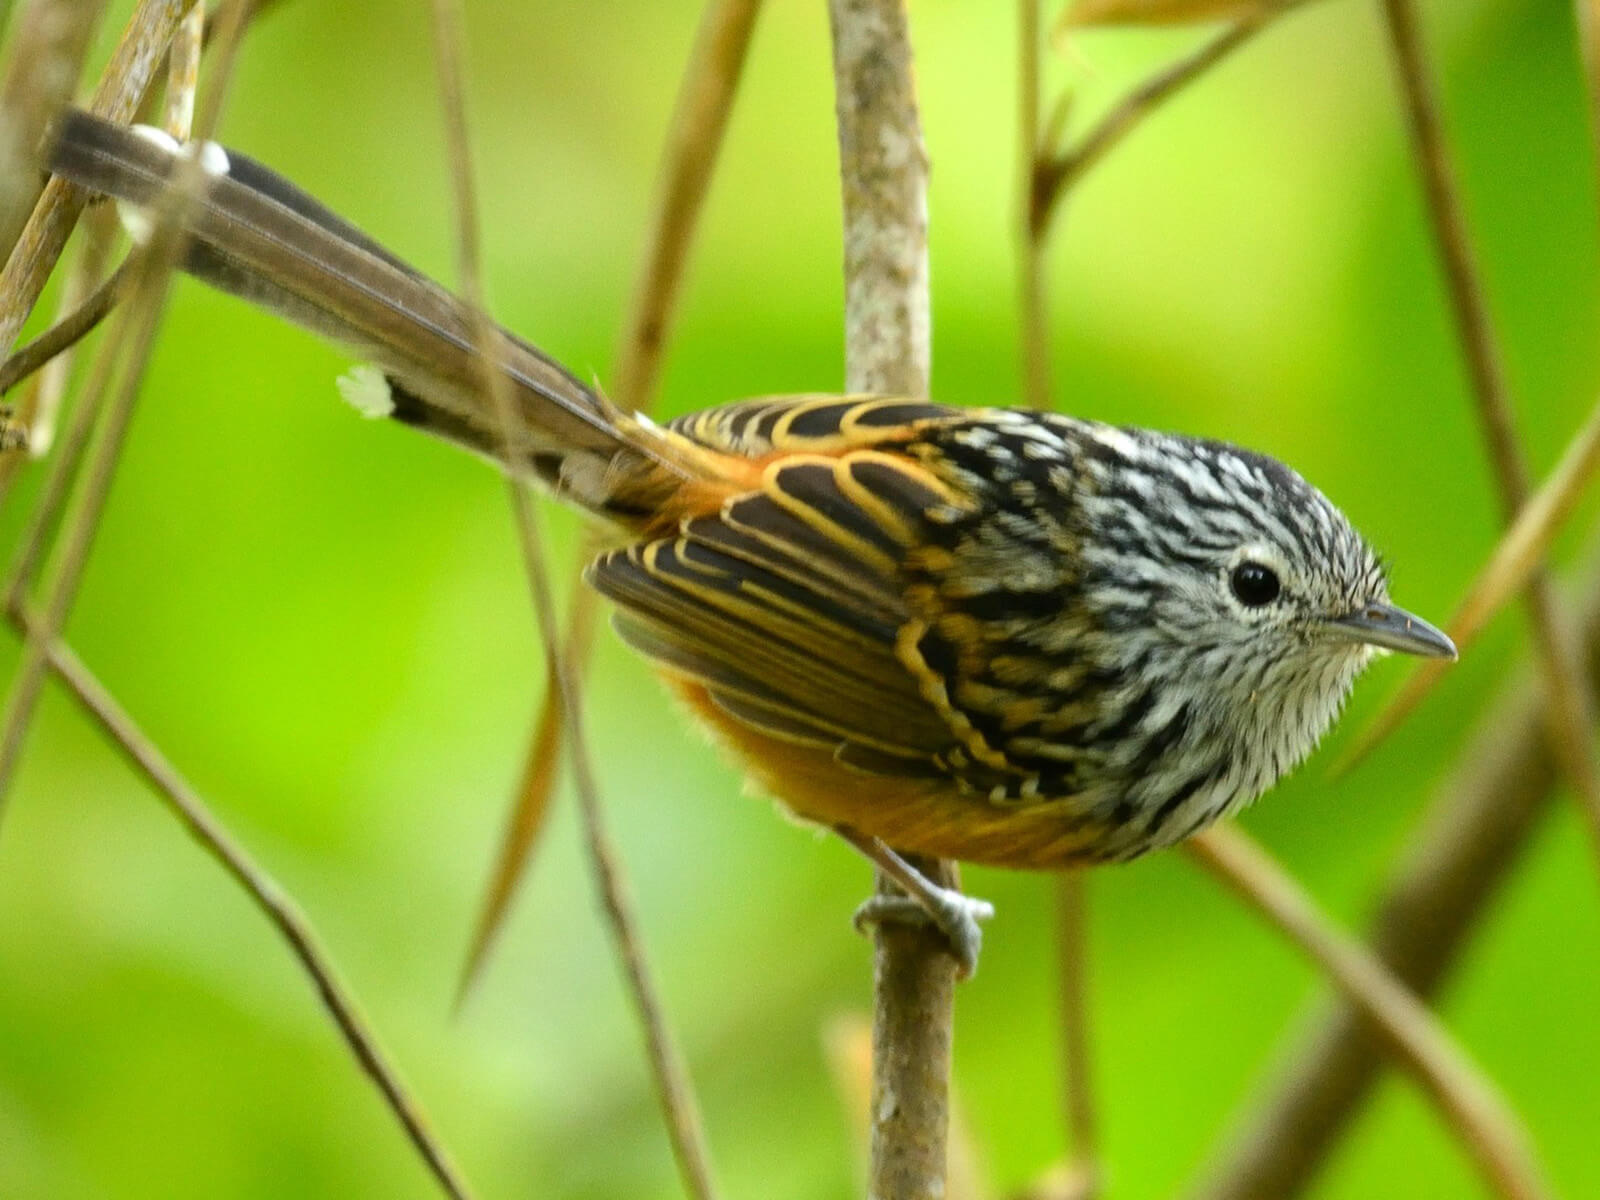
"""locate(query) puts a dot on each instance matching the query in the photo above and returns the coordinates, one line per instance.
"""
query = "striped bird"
(995, 635)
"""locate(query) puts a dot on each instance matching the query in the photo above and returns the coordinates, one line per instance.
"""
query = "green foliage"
(324, 623)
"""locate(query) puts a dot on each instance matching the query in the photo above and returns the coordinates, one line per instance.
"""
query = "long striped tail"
(256, 235)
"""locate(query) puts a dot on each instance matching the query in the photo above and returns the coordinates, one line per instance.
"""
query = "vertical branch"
(883, 171)
(1031, 230)
(1571, 708)
(1082, 1179)
(883, 177)
(669, 1074)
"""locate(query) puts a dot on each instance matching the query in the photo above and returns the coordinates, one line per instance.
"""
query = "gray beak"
(1393, 629)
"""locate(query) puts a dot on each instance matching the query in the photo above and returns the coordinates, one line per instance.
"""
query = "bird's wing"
(788, 604)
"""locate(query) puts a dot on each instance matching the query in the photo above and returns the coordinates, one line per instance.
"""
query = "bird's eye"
(1255, 584)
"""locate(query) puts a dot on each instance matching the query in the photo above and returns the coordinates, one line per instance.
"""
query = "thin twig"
(1031, 233)
(1571, 712)
(1515, 559)
(1056, 173)
(72, 328)
(1587, 13)
(45, 58)
(883, 177)
(675, 1091)
(183, 74)
(1480, 822)
(699, 121)
(1486, 1126)
(134, 65)
(137, 335)
(275, 904)
(40, 411)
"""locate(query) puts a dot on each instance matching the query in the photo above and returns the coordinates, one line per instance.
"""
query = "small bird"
(1007, 637)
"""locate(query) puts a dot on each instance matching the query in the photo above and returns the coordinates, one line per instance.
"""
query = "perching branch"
(883, 174)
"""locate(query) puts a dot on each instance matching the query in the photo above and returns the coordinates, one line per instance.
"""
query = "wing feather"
(787, 606)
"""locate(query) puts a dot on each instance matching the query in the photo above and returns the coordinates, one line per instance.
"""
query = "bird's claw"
(951, 912)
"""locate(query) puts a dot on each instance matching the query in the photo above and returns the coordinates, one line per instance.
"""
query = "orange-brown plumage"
(917, 816)
(856, 730)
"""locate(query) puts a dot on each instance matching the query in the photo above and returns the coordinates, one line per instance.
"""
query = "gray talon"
(953, 914)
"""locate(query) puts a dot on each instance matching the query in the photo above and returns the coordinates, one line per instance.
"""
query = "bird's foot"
(952, 913)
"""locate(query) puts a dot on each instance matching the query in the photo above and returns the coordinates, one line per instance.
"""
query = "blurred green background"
(324, 622)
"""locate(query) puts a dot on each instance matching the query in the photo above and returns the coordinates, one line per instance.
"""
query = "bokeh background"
(324, 622)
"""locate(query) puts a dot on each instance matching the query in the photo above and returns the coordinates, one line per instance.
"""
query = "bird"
(1007, 637)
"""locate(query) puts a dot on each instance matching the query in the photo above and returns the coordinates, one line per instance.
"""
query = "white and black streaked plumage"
(1089, 623)
(1001, 636)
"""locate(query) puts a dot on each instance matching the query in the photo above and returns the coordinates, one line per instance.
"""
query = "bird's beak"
(1393, 629)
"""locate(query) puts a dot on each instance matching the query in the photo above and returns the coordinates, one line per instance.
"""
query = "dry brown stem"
(1587, 13)
(47, 49)
(1514, 560)
(699, 120)
(1482, 1120)
(676, 1094)
(1480, 821)
(275, 904)
(134, 64)
(132, 346)
(77, 323)
(1571, 709)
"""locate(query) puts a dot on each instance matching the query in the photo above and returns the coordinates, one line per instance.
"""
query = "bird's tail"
(254, 234)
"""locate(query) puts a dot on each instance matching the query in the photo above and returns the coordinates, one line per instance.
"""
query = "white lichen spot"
(366, 390)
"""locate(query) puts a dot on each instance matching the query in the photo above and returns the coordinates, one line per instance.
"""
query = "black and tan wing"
(786, 605)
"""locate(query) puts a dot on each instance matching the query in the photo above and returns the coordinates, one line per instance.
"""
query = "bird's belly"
(929, 816)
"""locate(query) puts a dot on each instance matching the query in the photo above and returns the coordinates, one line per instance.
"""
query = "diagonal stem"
(671, 1077)
(1571, 706)
(1483, 1122)
(264, 892)
(137, 334)
(699, 121)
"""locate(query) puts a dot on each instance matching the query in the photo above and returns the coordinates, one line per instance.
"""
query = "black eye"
(1255, 584)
